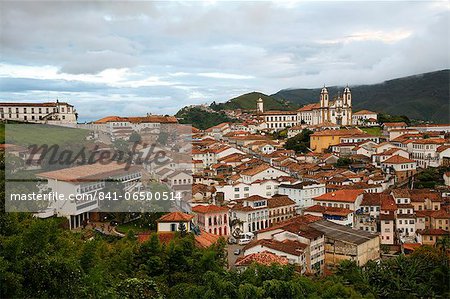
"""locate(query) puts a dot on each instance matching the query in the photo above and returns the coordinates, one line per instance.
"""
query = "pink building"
(212, 219)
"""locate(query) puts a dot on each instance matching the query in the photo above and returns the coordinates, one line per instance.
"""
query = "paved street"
(231, 257)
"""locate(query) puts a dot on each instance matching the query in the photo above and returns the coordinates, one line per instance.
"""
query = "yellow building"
(322, 140)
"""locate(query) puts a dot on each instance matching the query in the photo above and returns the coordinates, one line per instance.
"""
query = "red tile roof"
(433, 232)
(255, 170)
(263, 258)
(175, 217)
(341, 196)
(398, 160)
(411, 246)
(329, 210)
(430, 141)
(209, 209)
(395, 124)
(362, 112)
(288, 246)
(279, 201)
(206, 239)
(144, 119)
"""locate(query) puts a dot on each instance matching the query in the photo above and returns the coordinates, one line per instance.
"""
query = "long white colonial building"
(57, 113)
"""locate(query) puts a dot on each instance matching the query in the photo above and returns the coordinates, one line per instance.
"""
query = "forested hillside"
(424, 96)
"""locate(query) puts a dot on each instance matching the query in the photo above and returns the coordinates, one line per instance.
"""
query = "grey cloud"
(279, 47)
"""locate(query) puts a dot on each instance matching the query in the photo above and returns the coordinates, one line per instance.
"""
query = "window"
(173, 227)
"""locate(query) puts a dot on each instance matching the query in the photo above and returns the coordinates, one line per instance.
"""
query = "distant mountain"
(248, 102)
(423, 97)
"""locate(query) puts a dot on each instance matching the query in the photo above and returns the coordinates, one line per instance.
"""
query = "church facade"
(337, 110)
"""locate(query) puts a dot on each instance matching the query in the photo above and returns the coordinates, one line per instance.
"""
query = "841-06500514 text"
(99, 195)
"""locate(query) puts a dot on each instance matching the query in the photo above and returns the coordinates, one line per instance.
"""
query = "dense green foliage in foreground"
(41, 260)
(201, 119)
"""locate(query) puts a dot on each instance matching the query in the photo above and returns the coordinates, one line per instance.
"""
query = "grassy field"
(134, 226)
(26, 134)
(375, 131)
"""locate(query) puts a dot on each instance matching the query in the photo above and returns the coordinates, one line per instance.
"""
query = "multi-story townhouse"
(400, 167)
(387, 127)
(365, 118)
(405, 216)
(281, 208)
(261, 172)
(431, 236)
(302, 193)
(239, 190)
(51, 113)
(212, 219)
(293, 250)
(320, 141)
(424, 151)
(361, 137)
(443, 153)
(297, 229)
(249, 215)
(340, 216)
(379, 158)
(387, 220)
(368, 218)
(384, 146)
(256, 212)
(395, 133)
(218, 131)
(349, 199)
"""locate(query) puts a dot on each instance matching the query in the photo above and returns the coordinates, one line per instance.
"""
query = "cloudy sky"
(130, 58)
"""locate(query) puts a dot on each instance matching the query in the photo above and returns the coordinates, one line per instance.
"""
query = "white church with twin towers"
(337, 110)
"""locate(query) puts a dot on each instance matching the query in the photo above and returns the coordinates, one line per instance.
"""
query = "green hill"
(423, 97)
(248, 102)
(200, 118)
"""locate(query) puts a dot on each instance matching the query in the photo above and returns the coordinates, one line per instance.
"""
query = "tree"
(135, 137)
(343, 162)
(121, 146)
(136, 288)
(300, 142)
(182, 229)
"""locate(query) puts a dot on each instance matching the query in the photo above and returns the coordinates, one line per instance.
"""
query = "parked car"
(237, 252)
(232, 240)
(244, 241)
